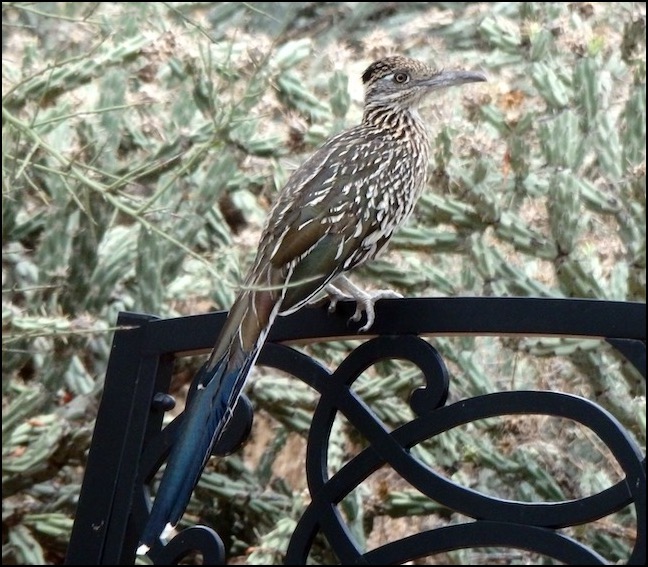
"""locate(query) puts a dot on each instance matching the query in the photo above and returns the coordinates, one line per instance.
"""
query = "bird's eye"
(401, 78)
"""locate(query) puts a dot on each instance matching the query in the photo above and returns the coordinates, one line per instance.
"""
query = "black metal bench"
(128, 445)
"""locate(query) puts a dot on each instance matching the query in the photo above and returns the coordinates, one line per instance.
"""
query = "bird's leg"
(344, 288)
(335, 295)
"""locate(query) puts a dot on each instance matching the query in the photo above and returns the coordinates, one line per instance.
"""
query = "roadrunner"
(337, 211)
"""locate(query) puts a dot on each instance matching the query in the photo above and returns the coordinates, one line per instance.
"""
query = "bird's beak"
(445, 79)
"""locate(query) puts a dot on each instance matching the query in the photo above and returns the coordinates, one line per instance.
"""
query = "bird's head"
(402, 82)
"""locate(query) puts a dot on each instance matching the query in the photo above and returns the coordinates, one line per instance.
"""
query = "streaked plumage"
(337, 211)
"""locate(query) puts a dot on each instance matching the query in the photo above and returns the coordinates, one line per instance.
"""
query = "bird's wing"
(317, 228)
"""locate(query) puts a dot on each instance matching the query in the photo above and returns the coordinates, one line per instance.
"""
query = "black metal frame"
(129, 446)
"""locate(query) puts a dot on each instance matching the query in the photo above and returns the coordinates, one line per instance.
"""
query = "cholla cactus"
(142, 145)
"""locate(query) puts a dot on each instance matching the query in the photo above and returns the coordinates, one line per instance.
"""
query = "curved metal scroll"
(494, 522)
(531, 526)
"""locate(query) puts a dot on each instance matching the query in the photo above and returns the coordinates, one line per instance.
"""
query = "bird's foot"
(334, 296)
(345, 289)
(365, 303)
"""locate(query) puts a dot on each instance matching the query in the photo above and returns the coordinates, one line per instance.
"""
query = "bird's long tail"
(220, 382)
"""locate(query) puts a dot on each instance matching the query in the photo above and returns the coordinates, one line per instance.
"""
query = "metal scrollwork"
(130, 444)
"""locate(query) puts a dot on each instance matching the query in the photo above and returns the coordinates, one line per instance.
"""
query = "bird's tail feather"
(211, 408)
(220, 382)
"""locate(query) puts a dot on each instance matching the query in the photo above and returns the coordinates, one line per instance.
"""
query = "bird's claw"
(365, 304)
(334, 296)
(345, 289)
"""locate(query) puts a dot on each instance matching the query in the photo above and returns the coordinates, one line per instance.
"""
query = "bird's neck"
(395, 120)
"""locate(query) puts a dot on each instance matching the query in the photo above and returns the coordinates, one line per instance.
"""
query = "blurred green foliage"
(142, 144)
